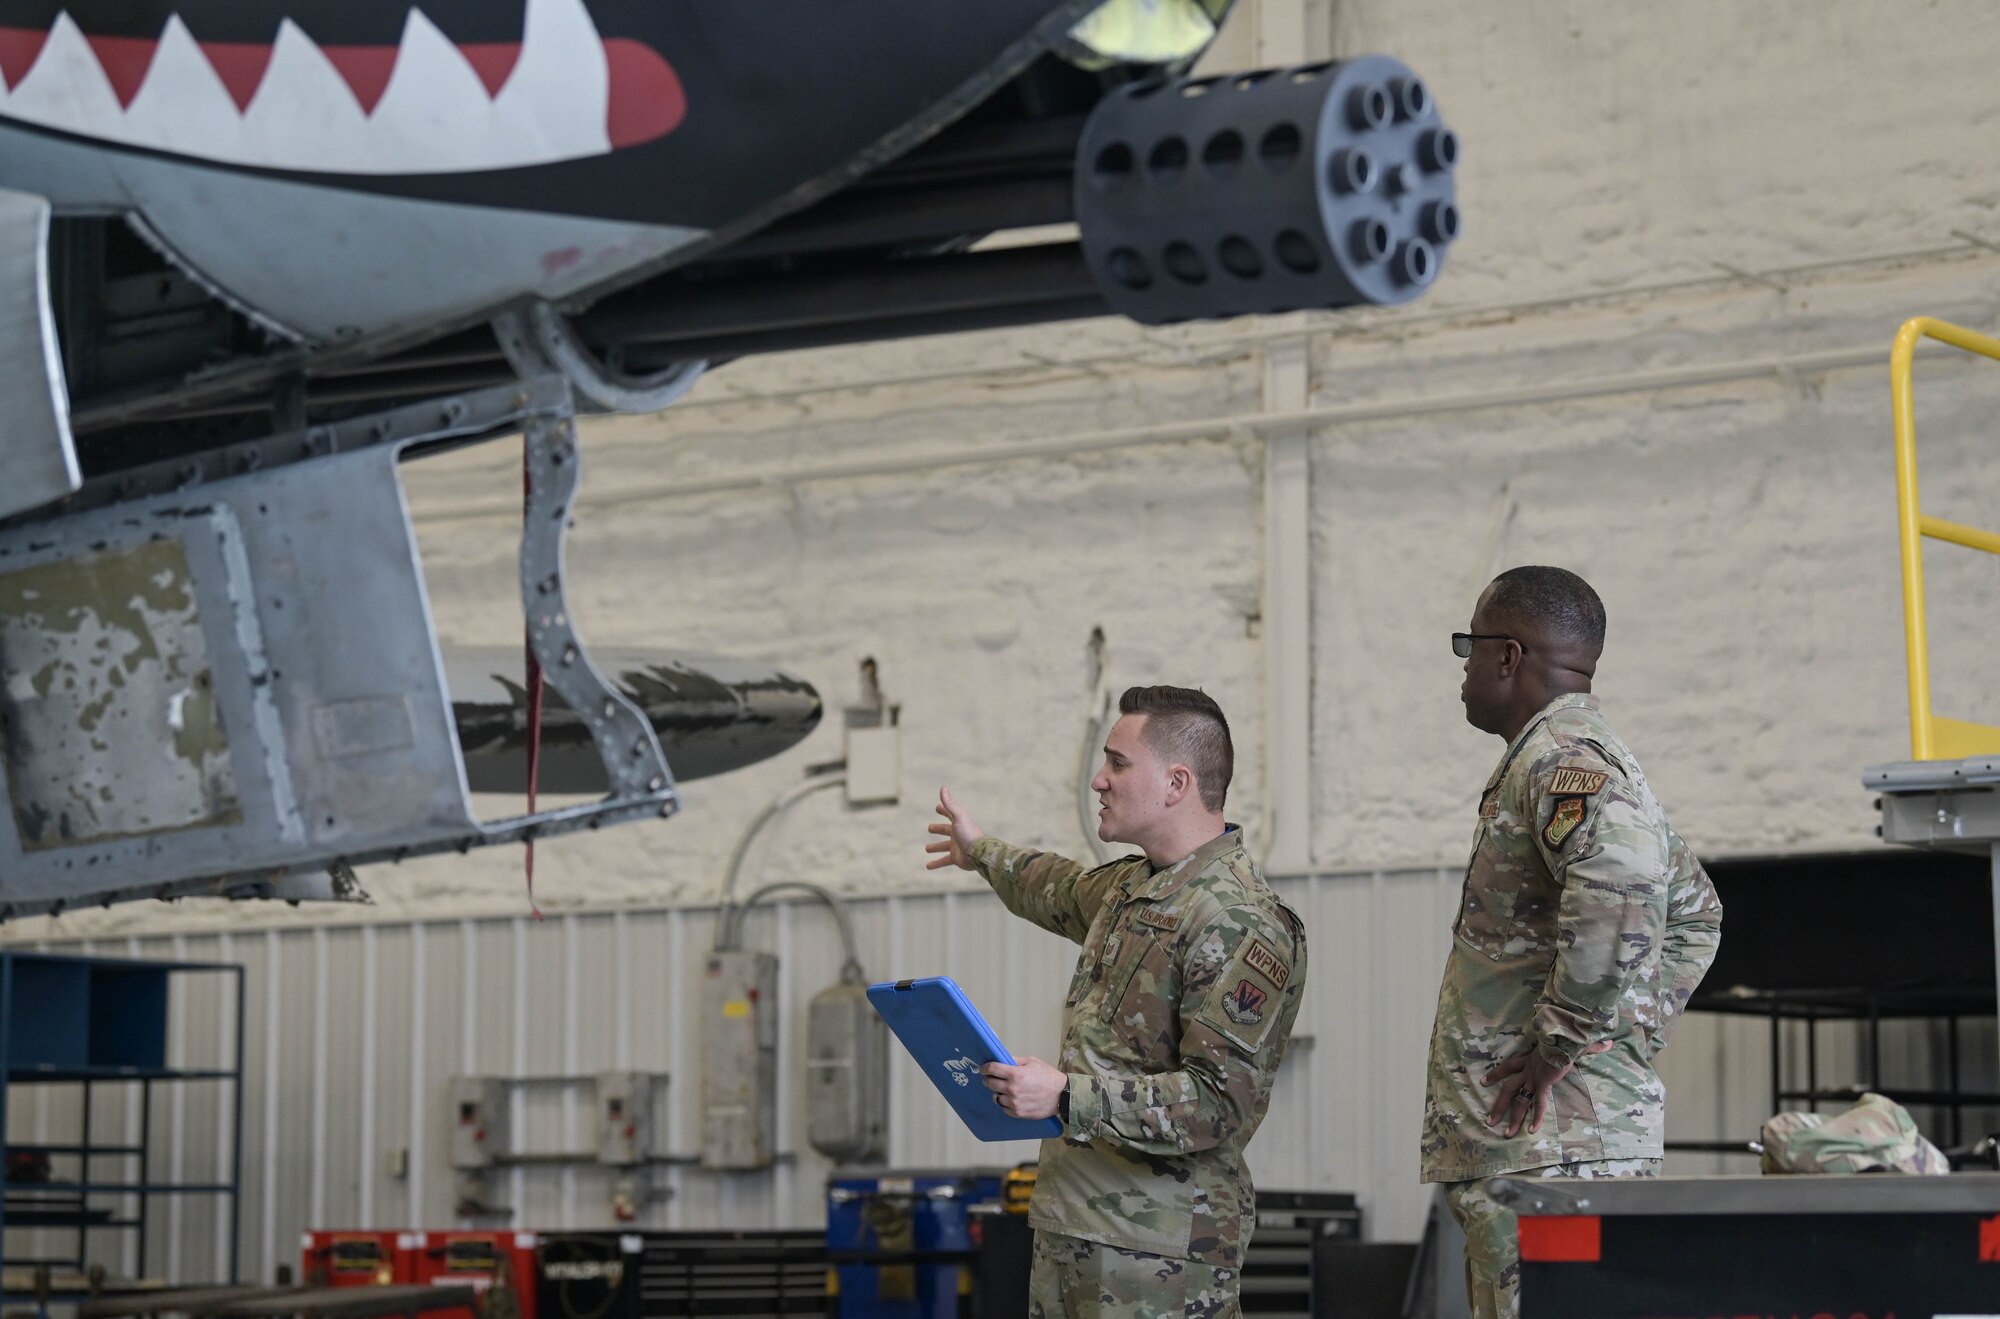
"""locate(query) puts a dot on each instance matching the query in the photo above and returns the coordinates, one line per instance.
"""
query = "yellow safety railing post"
(1913, 526)
(1916, 643)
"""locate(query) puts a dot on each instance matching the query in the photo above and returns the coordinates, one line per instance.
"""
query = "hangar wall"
(1657, 356)
(352, 1033)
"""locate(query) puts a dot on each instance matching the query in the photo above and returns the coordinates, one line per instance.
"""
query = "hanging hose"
(534, 685)
(725, 917)
(732, 937)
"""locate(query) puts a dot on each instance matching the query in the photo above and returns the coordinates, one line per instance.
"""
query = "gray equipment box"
(481, 1122)
(624, 1118)
(847, 1076)
(739, 1078)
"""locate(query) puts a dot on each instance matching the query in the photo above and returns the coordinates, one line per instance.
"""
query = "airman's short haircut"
(1186, 727)
(1554, 600)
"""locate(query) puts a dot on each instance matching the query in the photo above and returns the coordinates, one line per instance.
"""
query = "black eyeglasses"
(1461, 642)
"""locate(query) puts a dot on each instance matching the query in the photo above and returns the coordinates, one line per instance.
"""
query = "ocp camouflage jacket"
(1585, 923)
(1177, 1018)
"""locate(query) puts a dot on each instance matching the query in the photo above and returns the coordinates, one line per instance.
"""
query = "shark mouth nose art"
(422, 103)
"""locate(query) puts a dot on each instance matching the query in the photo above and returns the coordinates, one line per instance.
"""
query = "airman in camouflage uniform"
(1176, 1020)
(1586, 923)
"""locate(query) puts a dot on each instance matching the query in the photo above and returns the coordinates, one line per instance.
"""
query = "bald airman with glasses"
(1585, 925)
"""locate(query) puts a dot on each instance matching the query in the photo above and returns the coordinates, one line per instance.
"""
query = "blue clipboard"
(950, 1041)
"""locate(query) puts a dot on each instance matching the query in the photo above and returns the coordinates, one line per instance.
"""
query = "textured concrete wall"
(1618, 146)
(1739, 530)
(1742, 534)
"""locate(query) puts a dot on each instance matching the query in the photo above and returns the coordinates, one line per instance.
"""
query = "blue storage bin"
(922, 1215)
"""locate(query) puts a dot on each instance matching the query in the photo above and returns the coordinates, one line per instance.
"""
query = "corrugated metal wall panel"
(433, 1026)
(352, 1034)
(341, 976)
(189, 1140)
(294, 1141)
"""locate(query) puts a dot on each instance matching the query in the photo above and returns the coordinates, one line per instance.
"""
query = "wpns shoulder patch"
(1576, 783)
(1568, 815)
(1260, 958)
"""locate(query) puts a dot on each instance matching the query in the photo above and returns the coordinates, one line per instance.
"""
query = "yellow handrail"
(1930, 738)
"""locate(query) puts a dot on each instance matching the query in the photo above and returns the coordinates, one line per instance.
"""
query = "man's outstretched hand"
(1031, 1088)
(1525, 1081)
(956, 835)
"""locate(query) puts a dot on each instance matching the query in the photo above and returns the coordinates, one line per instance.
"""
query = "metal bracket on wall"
(1945, 805)
(223, 676)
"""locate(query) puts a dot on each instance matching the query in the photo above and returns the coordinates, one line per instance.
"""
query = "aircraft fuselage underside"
(222, 676)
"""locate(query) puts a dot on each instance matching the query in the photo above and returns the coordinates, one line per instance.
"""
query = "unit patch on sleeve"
(1568, 815)
(1259, 958)
(1159, 920)
(1576, 783)
(1245, 1003)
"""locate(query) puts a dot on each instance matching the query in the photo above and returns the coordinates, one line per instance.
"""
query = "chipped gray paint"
(111, 723)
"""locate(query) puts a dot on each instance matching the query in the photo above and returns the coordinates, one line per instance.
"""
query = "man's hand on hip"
(1030, 1089)
(1525, 1081)
(956, 835)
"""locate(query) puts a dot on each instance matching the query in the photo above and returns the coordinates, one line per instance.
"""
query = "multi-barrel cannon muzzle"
(1315, 187)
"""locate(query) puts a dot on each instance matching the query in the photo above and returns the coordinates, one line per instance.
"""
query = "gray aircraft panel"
(223, 673)
(37, 456)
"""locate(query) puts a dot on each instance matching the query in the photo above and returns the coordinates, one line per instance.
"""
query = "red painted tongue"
(647, 100)
(20, 47)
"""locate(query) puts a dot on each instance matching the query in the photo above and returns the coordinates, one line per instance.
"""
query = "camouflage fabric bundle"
(1876, 1135)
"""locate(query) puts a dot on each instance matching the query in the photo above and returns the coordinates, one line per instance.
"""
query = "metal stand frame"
(1869, 1004)
(68, 1203)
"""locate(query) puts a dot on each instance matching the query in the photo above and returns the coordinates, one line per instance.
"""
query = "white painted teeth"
(434, 115)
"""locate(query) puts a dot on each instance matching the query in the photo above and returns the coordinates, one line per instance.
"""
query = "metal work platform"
(1946, 805)
(1946, 797)
(1639, 1248)
(1943, 806)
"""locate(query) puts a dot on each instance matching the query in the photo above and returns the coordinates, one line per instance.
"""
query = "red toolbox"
(485, 1260)
(354, 1258)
